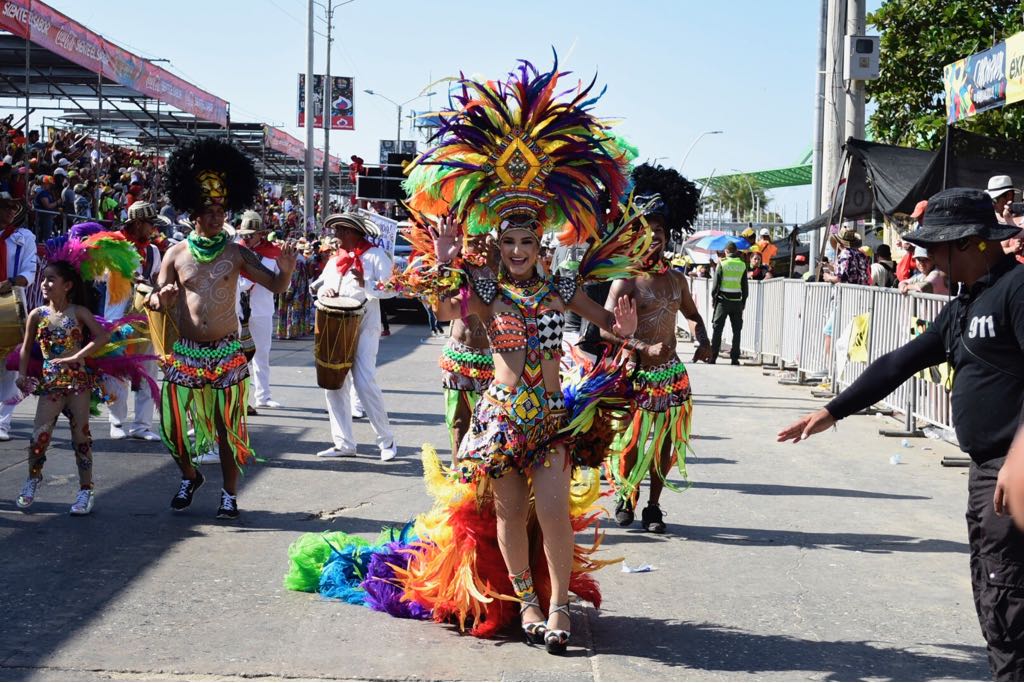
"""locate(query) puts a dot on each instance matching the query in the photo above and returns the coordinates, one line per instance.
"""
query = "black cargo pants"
(997, 573)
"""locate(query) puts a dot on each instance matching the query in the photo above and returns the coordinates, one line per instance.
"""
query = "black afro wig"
(209, 154)
(678, 193)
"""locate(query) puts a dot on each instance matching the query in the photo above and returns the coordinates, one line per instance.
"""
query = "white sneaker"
(210, 457)
(117, 432)
(4, 435)
(335, 452)
(268, 404)
(144, 434)
(388, 452)
(83, 502)
(28, 492)
(358, 414)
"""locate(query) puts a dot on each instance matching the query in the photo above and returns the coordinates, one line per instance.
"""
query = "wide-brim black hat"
(354, 221)
(957, 213)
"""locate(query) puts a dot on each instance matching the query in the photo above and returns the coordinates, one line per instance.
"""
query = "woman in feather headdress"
(519, 157)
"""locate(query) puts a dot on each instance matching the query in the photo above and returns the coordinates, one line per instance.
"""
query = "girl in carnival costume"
(69, 337)
(518, 157)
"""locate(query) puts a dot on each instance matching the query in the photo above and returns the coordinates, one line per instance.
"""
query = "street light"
(746, 177)
(694, 144)
(398, 139)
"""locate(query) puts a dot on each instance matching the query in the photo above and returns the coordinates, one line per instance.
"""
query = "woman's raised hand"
(447, 238)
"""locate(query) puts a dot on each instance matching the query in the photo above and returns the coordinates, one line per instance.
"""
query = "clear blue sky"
(674, 68)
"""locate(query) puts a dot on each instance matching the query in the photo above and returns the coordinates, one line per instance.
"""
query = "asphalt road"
(816, 561)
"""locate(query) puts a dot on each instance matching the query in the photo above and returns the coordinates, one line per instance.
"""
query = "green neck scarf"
(205, 249)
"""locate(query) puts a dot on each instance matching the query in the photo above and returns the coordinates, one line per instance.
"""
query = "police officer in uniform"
(730, 296)
(981, 334)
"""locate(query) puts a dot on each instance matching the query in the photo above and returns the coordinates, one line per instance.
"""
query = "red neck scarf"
(264, 249)
(8, 231)
(352, 259)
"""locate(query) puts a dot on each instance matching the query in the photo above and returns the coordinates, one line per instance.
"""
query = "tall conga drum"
(163, 328)
(12, 320)
(334, 342)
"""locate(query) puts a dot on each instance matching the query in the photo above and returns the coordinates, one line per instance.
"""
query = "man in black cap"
(981, 334)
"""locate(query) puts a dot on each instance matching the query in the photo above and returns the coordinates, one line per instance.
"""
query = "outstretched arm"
(689, 310)
(261, 275)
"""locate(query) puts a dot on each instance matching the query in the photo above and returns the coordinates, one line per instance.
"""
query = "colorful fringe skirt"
(664, 408)
(204, 380)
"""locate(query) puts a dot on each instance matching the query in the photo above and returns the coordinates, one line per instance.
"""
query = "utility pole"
(855, 25)
(398, 136)
(309, 206)
(835, 101)
(819, 122)
(328, 110)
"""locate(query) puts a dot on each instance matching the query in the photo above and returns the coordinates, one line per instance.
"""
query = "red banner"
(291, 146)
(61, 35)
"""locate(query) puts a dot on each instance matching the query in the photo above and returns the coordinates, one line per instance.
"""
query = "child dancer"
(66, 384)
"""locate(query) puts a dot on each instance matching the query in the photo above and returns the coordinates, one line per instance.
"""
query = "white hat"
(8, 159)
(60, 171)
(765, 232)
(921, 252)
(64, 161)
(999, 184)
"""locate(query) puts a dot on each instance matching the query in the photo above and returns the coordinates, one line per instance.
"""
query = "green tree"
(918, 38)
(738, 194)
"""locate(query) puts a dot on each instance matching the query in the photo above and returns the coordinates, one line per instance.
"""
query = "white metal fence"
(787, 321)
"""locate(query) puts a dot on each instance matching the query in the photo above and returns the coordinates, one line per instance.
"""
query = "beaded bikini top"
(533, 325)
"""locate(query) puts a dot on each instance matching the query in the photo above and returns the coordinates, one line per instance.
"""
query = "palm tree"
(739, 194)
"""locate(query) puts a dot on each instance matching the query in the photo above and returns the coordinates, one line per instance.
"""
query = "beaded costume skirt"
(658, 388)
(513, 428)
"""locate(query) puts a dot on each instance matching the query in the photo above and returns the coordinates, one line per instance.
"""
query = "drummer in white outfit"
(352, 229)
(138, 230)
(261, 305)
(19, 270)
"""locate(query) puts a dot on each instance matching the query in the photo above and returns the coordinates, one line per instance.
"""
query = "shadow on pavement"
(713, 647)
(787, 490)
(866, 543)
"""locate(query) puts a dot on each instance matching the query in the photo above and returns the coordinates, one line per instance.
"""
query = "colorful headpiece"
(96, 255)
(660, 191)
(207, 171)
(520, 154)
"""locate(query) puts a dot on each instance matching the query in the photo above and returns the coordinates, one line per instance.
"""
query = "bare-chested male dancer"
(658, 435)
(467, 367)
(206, 379)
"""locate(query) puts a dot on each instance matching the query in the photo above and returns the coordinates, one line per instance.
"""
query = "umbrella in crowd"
(710, 244)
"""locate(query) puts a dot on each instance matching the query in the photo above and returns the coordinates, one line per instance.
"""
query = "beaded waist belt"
(466, 361)
(667, 381)
(216, 350)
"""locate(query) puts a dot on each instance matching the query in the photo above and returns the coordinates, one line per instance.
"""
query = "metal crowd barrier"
(785, 323)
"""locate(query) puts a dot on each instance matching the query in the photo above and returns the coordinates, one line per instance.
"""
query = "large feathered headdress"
(520, 153)
(678, 196)
(207, 171)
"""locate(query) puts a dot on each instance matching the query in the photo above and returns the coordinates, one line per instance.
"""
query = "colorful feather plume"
(520, 148)
(621, 249)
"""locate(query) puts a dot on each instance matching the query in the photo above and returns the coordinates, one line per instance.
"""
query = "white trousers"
(363, 379)
(121, 389)
(7, 390)
(261, 328)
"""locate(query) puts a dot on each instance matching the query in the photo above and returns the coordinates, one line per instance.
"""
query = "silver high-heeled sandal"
(556, 640)
(522, 584)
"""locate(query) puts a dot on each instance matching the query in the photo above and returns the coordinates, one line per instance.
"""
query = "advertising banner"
(48, 28)
(388, 231)
(1015, 68)
(342, 117)
(291, 146)
(975, 84)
